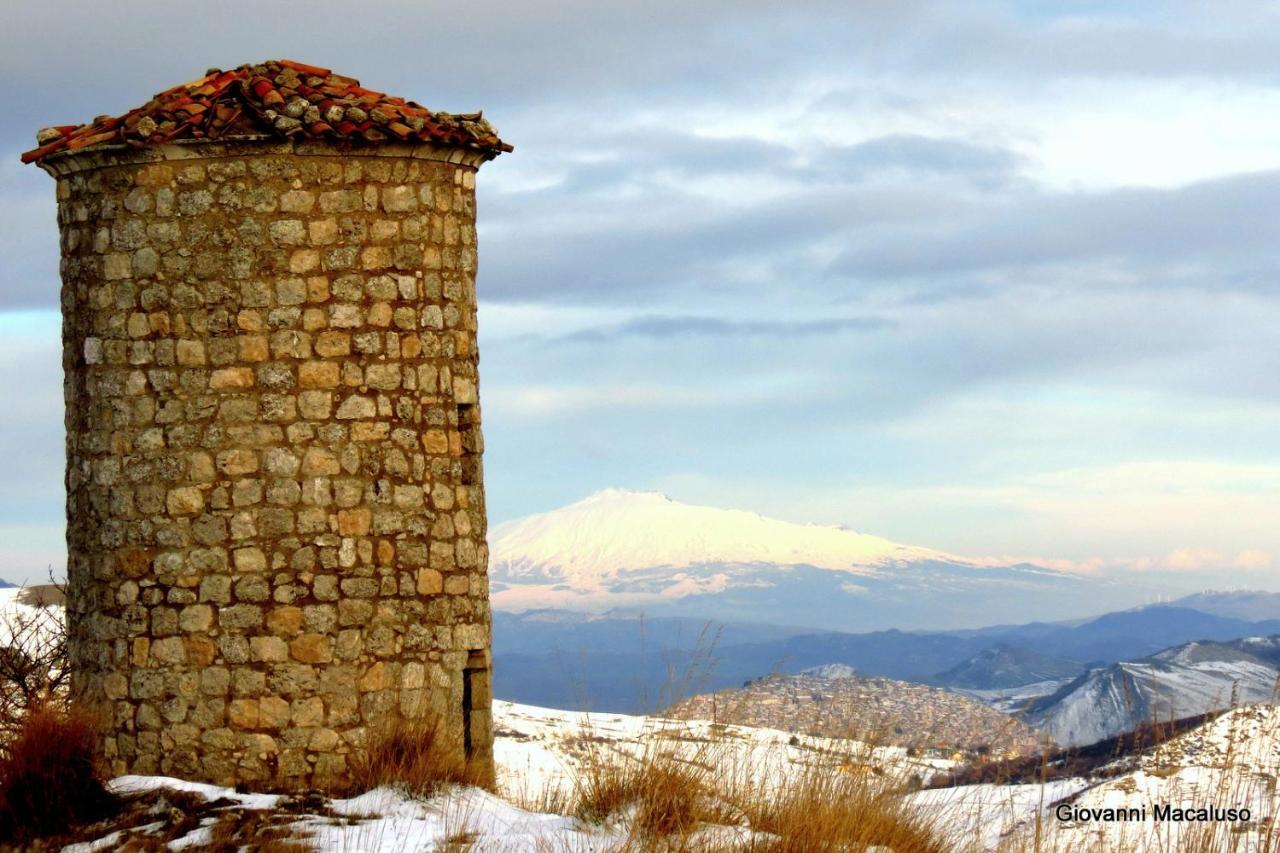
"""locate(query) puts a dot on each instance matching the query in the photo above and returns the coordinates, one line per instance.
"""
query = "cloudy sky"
(998, 278)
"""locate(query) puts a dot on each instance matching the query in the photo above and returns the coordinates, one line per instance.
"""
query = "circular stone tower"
(275, 517)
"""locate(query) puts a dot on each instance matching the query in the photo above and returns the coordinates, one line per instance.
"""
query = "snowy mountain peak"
(646, 551)
(622, 496)
(616, 530)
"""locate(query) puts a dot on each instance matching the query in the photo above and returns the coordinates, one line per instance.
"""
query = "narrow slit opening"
(471, 676)
(468, 747)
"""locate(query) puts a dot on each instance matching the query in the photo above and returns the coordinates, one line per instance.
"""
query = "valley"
(622, 663)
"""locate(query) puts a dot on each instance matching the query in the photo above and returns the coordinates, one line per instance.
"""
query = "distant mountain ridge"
(630, 664)
(1132, 633)
(1004, 665)
(1248, 604)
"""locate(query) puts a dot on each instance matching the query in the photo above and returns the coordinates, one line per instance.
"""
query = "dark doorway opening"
(472, 689)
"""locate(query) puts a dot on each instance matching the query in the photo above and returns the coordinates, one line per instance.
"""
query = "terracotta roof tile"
(280, 98)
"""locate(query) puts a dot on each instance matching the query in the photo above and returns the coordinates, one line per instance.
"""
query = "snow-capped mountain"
(615, 531)
(1179, 682)
(620, 548)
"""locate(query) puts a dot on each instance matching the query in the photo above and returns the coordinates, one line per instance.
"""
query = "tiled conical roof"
(276, 98)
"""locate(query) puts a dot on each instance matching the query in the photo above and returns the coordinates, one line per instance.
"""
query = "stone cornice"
(100, 157)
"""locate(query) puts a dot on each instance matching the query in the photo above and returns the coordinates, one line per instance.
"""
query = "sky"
(996, 278)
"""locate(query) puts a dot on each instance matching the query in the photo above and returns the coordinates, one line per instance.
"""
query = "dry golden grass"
(676, 790)
(679, 791)
(659, 794)
(826, 809)
(421, 756)
(551, 798)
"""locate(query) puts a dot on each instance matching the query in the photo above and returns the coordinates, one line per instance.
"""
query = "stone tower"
(275, 515)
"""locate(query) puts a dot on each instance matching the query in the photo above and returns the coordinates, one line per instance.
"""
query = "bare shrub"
(49, 781)
(33, 655)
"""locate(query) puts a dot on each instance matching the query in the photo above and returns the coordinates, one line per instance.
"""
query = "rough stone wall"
(276, 523)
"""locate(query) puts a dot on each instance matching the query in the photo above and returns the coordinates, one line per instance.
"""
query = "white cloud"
(1202, 559)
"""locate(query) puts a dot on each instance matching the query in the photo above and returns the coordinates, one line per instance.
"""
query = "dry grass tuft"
(48, 778)
(420, 756)
(660, 794)
(672, 798)
(833, 809)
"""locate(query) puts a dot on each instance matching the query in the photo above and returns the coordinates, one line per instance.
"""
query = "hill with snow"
(834, 701)
(620, 548)
(1183, 681)
(1230, 762)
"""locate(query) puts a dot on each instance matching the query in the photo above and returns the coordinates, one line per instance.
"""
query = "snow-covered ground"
(1230, 762)
(384, 820)
(538, 752)
(20, 609)
(982, 817)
